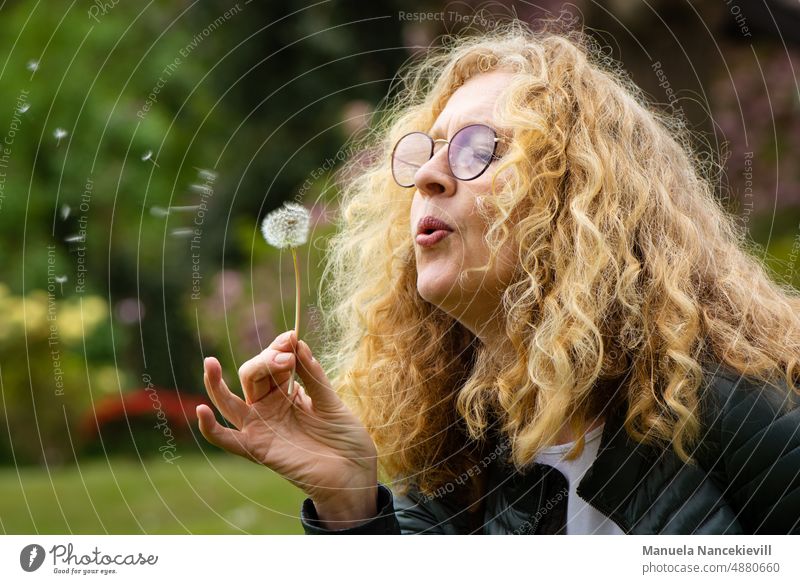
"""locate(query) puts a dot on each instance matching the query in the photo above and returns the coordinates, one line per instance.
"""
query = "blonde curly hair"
(631, 275)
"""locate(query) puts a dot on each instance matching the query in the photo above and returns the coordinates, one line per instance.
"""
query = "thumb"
(317, 386)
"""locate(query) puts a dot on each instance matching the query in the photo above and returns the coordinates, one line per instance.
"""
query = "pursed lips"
(431, 230)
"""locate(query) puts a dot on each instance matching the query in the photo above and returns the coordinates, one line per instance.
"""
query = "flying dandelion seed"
(288, 227)
(206, 175)
(148, 157)
(202, 189)
(59, 134)
(24, 108)
(65, 210)
(159, 211)
(32, 66)
(61, 280)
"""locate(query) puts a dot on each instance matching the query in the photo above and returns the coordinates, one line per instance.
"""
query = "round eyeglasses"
(469, 152)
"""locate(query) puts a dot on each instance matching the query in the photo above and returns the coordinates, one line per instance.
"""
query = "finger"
(218, 435)
(265, 372)
(284, 341)
(210, 366)
(266, 367)
(231, 406)
(301, 399)
(316, 383)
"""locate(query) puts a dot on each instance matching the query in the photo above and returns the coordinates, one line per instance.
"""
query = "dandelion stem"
(288, 227)
(296, 312)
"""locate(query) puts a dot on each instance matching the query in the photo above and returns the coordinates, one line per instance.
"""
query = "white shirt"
(582, 518)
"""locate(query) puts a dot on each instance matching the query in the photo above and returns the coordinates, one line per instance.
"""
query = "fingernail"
(283, 358)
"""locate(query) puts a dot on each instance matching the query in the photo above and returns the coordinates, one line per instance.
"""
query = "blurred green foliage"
(182, 123)
(143, 144)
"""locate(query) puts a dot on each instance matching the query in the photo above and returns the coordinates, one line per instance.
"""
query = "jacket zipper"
(613, 515)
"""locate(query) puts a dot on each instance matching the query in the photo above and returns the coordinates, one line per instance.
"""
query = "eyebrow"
(435, 133)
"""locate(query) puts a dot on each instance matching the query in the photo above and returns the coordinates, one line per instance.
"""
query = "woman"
(542, 318)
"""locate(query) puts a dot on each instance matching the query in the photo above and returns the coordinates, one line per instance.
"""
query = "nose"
(434, 178)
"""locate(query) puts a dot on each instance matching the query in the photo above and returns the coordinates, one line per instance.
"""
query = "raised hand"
(311, 438)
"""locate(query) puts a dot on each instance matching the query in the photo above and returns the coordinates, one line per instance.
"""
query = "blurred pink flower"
(228, 286)
(129, 310)
(355, 115)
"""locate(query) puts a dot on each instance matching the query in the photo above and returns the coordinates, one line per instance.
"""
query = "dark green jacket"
(747, 480)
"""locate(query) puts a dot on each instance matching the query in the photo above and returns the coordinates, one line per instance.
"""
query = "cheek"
(476, 250)
(475, 235)
(506, 262)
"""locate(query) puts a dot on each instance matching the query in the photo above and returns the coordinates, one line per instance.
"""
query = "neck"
(491, 333)
(566, 434)
(488, 325)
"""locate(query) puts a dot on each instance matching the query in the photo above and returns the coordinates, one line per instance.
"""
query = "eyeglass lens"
(469, 154)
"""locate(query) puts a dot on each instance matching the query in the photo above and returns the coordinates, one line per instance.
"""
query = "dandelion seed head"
(32, 65)
(65, 210)
(61, 279)
(59, 133)
(286, 226)
(24, 107)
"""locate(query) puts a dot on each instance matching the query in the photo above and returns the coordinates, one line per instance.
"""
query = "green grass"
(195, 494)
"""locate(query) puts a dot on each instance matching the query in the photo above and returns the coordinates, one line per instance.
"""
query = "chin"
(438, 293)
(432, 296)
(431, 292)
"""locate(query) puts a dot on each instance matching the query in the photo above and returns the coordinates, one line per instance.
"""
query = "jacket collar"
(617, 471)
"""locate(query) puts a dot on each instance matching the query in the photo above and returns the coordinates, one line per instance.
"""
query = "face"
(439, 194)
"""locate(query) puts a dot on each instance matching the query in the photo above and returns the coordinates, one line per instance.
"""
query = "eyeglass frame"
(492, 158)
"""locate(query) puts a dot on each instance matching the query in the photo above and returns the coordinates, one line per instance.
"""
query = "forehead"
(473, 102)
